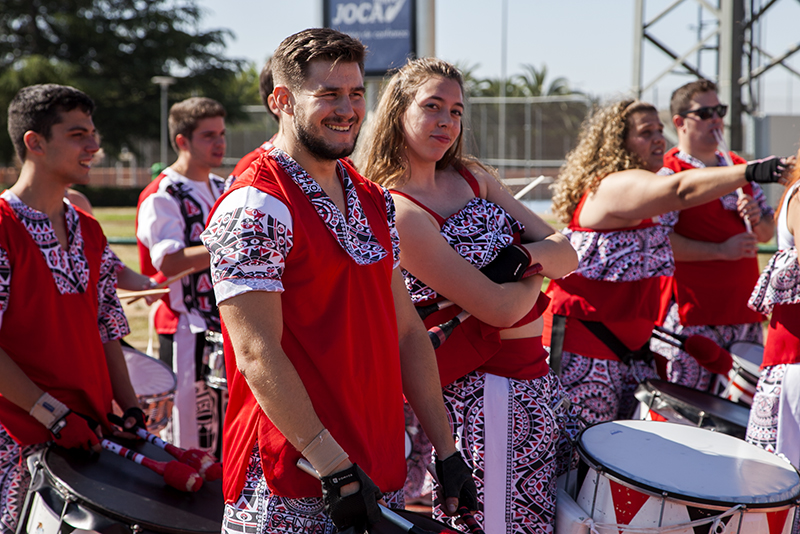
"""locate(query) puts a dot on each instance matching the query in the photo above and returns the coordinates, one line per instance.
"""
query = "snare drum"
(114, 495)
(681, 479)
(740, 384)
(154, 384)
(425, 523)
(664, 401)
(214, 358)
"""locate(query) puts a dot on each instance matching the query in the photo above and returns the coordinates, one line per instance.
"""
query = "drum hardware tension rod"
(702, 419)
(596, 484)
(663, 503)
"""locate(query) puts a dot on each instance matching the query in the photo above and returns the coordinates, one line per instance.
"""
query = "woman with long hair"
(601, 317)
(454, 218)
(774, 419)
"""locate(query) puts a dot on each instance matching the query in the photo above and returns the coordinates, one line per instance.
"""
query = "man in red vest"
(171, 215)
(716, 266)
(61, 362)
(304, 256)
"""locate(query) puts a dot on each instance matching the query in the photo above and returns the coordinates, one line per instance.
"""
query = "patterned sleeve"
(761, 198)
(5, 282)
(161, 226)
(116, 262)
(248, 238)
(111, 320)
(390, 217)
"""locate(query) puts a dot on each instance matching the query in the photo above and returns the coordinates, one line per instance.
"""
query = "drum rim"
(653, 390)
(658, 492)
(106, 512)
(76, 497)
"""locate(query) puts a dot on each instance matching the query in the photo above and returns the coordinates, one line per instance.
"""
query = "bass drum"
(664, 401)
(113, 495)
(646, 476)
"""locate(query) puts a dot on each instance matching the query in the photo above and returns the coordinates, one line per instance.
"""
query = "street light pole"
(164, 82)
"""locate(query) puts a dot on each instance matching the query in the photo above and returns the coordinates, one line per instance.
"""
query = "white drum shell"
(687, 461)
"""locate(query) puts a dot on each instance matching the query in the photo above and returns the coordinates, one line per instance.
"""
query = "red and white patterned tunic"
(277, 230)
(78, 311)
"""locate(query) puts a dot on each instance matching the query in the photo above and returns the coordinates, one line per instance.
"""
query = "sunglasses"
(707, 112)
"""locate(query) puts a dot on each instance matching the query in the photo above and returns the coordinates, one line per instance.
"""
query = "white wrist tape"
(324, 453)
(48, 410)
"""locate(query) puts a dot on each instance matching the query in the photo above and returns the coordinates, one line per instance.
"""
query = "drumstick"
(425, 311)
(439, 334)
(406, 525)
(707, 353)
(136, 295)
(724, 149)
(201, 461)
(179, 476)
(168, 281)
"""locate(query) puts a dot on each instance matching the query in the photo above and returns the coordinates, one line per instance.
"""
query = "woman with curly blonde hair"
(455, 218)
(601, 316)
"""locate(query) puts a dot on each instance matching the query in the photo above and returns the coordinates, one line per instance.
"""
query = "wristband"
(324, 453)
(48, 410)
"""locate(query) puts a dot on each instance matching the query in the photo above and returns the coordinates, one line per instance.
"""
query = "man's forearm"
(423, 390)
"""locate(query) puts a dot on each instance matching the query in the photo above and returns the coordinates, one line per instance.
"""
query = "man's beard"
(317, 146)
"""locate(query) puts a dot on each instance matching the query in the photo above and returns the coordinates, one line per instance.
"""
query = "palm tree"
(532, 83)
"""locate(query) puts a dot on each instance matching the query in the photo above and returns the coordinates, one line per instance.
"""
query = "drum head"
(703, 409)
(425, 523)
(689, 463)
(133, 494)
(149, 376)
(748, 356)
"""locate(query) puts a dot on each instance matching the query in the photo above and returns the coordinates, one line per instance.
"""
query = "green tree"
(533, 82)
(110, 49)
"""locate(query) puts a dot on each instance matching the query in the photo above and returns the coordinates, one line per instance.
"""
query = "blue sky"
(590, 42)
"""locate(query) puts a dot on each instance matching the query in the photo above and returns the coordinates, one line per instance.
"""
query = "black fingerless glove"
(359, 510)
(455, 478)
(508, 266)
(137, 414)
(765, 171)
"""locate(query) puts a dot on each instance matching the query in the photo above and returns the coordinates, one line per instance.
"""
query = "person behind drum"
(454, 217)
(716, 264)
(171, 215)
(323, 337)
(774, 416)
(609, 196)
(61, 362)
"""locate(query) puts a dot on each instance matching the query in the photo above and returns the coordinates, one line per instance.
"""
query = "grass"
(117, 222)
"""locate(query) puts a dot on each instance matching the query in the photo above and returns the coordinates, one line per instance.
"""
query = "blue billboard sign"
(386, 27)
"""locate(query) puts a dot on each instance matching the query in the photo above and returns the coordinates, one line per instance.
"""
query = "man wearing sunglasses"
(716, 265)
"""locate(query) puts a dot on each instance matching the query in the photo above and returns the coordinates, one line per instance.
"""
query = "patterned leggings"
(682, 368)
(14, 480)
(258, 511)
(603, 388)
(511, 433)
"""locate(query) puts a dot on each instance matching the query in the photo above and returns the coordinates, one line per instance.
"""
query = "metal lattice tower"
(741, 59)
